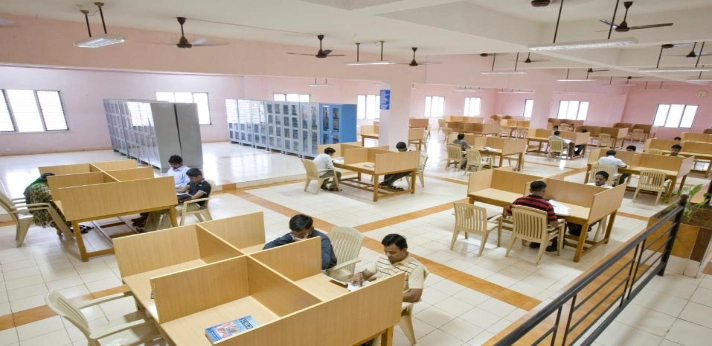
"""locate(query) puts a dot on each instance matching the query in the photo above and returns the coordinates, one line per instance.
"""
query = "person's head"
(401, 146)
(194, 175)
(584, 130)
(677, 139)
(675, 149)
(557, 132)
(630, 148)
(460, 136)
(301, 226)
(600, 178)
(395, 247)
(555, 128)
(175, 161)
(537, 188)
(611, 152)
(329, 151)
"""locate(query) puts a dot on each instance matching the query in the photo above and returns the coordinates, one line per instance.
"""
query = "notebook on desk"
(183, 196)
(559, 208)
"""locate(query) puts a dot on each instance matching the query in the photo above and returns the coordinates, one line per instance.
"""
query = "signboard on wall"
(385, 100)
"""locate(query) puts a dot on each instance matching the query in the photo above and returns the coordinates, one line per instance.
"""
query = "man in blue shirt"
(302, 227)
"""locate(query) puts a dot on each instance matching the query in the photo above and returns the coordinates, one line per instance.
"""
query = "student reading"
(302, 227)
(536, 200)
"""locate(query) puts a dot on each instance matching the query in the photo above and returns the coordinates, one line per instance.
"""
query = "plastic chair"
(652, 181)
(406, 320)
(347, 245)
(192, 208)
(421, 170)
(441, 126)
(313, 174)
(531, 224)
(522, 132)
(470, 218)
(446, 134)
(556, 147)
(136, 332)
(604, 140)
(475, 159)
(19, 211)
(637, 135)
(454, 156)
(654, 151)
(612, 174)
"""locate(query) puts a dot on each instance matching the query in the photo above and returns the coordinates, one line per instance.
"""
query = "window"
(675, 115)
(201, 99)
(31, 111)
(367, 106)
(434, 106)
(528, 107)
(472, 106)
(573, 110)
(292, 97)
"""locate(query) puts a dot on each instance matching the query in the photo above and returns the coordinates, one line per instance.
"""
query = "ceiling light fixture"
(368, 63)
(675, 69)
(101, 40)
(515, 92)
(567, 79)
(592, 44)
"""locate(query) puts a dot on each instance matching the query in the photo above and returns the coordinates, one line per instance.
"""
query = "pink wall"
(642, 105)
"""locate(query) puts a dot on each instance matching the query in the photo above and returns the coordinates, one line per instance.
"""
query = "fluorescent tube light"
(698, 80)
(515, 92)
(100, 41)
(470, 90)
(503, 72)
(674, 69)
(612, 43)
(319, 85)
(575, 80)
(368, 63)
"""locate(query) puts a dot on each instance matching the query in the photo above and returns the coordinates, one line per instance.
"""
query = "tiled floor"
(468, 299)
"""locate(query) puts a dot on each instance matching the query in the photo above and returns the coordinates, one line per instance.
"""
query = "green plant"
(691, 208)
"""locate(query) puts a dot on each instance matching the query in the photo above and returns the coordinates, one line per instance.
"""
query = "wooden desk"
(368, 135)
(377, 162)
(502, 148)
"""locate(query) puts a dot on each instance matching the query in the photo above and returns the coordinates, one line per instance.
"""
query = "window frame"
(524, 111)
(578, 110)
(468, 101)
(40, 111)
(682, 115)
(428, 110)
(192, 95)
(299, 96)
(376, 100)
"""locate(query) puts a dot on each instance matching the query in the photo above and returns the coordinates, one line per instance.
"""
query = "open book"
(559, 208)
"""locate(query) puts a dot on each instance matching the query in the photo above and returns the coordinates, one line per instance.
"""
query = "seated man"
(675, 151)
(326, 168)
(461, 141)
(555, 136)
(396, 259)
(631, 148)
(197, 187)
(600, 179)
(390, 179)
(611, 160)
(536, 200)
(177, 171)
(302, 227)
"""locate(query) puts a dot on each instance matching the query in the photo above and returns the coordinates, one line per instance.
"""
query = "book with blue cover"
(227, 329)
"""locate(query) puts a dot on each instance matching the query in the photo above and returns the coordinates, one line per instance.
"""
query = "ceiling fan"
(540, 3)
(321, 54)
(623, 26)
(591, 70)
(529, 60)
(201, 42)
(415, 63)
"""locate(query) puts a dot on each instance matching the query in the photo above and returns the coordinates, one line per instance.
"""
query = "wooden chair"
(454, 156)
(612, 178)
(637, 135)
(604, 140)
(475, 159)
(347, 245)
(446, 134)
(140, 330)
(653, 151)
(19, 211)
(313, 174)
(556, 148)
(421, 170)
(473, 219)
(202, 213)
(532, 225)
(652, 181)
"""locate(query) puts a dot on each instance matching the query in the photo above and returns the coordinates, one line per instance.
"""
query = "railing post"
(673, 235)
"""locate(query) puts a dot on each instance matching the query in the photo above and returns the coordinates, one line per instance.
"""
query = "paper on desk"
(559, 208)
(488, 149)
(352, 287)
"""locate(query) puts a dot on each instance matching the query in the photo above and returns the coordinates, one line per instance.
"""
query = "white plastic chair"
(136, 332)
(19, 211)
(652, 181)
(475, 159)
(531, 224)
(470, 218)
(454, 156)
(421, 170)
(193, 208)
(347, 243)
(604, 140)
(313, 174)
(406, 320)
(556, 147)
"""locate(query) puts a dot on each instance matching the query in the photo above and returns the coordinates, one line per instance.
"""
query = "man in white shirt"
(326, 168)
(600, 179)
(611, 160)
(556, 136)
(178, 171)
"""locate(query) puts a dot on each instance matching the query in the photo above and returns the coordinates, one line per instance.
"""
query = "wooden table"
(498, 153)
(369, 168)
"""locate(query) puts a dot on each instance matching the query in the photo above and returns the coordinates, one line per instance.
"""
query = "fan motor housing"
(540, 3)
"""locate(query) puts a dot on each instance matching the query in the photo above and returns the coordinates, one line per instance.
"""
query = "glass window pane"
(428, 101)
(376, 106)
(186, 97)
(467, 106)
(203, 108)
(688, 116)
(304, 98)
(165, 96)
(478, 106)
(440, 106)
(563, 108)
(280, 97)
(52, 110)
(528, 107)
(24, 108)
(661, 115)
(674, 116)
(5, 120)
(361, 107)
(583, 111)
(573, 110)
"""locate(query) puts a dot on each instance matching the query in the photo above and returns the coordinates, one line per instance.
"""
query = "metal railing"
(596, 298)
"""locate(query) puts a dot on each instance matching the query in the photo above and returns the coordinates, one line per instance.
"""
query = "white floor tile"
(689, 334)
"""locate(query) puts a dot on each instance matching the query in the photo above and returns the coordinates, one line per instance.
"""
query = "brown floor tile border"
(633, 216)
(41, 312)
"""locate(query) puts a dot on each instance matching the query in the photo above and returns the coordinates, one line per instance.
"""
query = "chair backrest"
(9, 207)
(604, 139)
(529, 223)
(522, 132)
(346, 242)
(606, 168)
(447, 132)
(651, 180)
(454, 152)
(66, 309)
(470, 218)
(637, 134)
(423, 161)
(556, 146)
(474, 158)
(441, 123)
(310, 167)
(654, 151)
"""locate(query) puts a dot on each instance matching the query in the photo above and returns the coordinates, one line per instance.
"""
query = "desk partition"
(502, 148)
(339, 147)
(697, 137)
(617, 134)
(245, 232)
(419, 122)
(481, 129)
(660, 144)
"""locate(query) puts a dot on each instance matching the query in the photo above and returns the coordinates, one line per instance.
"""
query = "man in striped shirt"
(536, 200)
(396, 259)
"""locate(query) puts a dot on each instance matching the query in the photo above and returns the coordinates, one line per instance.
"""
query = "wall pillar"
(394, 122)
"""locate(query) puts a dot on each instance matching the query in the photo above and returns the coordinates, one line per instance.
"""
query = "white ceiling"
(437, 27)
